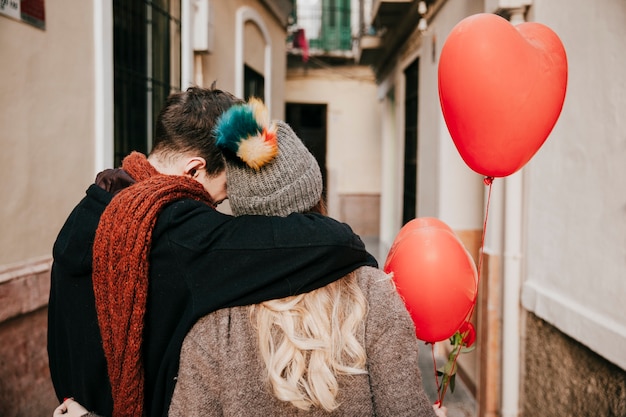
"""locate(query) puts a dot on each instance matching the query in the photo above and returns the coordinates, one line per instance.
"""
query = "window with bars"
(254, 83)
(146, 63)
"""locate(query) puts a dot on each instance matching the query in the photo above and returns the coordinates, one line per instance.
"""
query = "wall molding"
(103, 84)
(24, 287)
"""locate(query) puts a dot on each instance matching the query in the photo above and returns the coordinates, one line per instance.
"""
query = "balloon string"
(432, 351)
(488, 182)
(442, 392)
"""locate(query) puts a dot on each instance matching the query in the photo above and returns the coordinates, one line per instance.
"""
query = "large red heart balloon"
(436, 277)
(501, 89)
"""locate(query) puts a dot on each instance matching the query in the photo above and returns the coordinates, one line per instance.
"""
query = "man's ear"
(193, 165)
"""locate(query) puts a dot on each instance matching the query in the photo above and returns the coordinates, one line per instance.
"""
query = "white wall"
(391, 170)
(577, 184)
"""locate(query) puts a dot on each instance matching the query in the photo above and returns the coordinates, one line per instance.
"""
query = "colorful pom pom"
(246, 131)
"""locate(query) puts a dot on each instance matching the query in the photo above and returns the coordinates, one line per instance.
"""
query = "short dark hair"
(185, 124)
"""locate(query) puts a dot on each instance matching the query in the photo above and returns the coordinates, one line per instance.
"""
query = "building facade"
(81, 85)
(550, 315)
(331, 102)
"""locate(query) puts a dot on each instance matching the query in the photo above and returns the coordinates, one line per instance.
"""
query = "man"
(145, 254)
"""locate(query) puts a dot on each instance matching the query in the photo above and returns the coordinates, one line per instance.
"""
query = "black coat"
(200, 261)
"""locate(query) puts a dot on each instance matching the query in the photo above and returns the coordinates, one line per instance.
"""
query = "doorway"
(411, 94)
(310, 124)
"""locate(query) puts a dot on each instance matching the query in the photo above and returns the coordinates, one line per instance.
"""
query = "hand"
(440, 411)
(69, 408)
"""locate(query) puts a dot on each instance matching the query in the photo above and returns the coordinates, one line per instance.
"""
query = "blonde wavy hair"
(307, 340)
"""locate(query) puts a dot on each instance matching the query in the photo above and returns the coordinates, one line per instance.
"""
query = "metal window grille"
(146, 62)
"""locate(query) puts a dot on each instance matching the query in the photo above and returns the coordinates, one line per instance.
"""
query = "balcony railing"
(327, 25)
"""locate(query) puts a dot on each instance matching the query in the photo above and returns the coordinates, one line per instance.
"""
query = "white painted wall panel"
(576, 266)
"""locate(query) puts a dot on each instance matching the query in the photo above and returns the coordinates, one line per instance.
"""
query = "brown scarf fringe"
(120, 273)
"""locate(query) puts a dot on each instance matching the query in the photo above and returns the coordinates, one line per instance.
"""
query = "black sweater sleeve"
(75, 355)
(230, 261)
(263, 258)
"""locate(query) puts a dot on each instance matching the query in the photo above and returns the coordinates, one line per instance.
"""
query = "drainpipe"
(103, 80)
(511, 315)
(511, 339)
(186, 50)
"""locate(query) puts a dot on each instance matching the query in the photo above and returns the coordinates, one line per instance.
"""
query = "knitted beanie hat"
(271, 182)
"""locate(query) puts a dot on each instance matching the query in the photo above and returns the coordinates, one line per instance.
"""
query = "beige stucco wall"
(254, 47)
(47, 135)
(220, 63)
(47, 127)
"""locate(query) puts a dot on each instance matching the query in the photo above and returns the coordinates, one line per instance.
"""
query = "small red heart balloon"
(501, 89)
(435, 275)
(419, 223)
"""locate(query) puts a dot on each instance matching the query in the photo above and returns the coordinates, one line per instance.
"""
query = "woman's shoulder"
(373, 279)
(384, 301)
(221, 328)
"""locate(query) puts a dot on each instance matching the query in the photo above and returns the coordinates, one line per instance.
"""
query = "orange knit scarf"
(120, 273)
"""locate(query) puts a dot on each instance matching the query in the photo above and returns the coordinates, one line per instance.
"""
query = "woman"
(348, 348)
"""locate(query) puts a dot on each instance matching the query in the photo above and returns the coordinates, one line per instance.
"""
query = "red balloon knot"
(488, 181)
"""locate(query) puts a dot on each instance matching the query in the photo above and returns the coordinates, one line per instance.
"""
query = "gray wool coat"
(222, 374)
